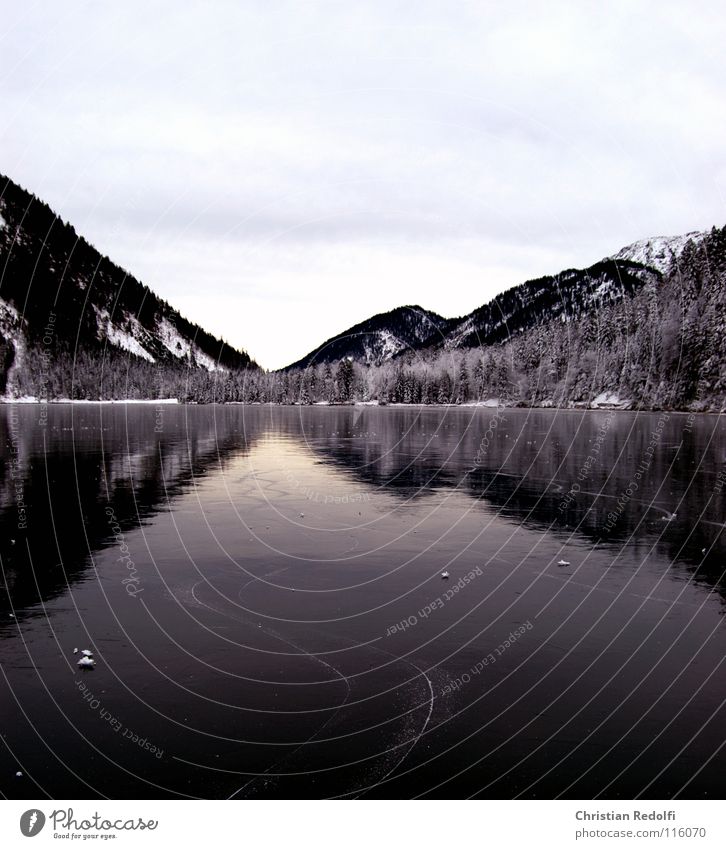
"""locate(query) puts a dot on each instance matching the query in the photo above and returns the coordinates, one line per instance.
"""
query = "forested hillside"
(567, 295)
(660, 343)
(73, 324)
(643, 329)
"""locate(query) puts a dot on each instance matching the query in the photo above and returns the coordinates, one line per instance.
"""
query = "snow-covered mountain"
(565, 296)
(568, 295)
(379, 338)
(59, 295)
(658, 252)
(74, 324)
(618, 335)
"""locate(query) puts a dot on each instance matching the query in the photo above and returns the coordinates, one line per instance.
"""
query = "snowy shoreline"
(489, 404)
(29, 399)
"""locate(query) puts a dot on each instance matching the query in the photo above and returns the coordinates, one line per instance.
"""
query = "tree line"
(663, 346)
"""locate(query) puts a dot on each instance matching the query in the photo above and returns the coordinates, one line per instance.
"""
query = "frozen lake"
(261, 588)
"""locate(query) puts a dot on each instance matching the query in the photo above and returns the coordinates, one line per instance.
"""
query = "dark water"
(262, 590)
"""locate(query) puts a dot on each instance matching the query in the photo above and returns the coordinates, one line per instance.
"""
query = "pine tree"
(478, 376)
(344, 379)
(462, 392)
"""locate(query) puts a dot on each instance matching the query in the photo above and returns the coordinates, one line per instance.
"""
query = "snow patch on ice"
(611, 400)
(31, 399)
(487, 402)
(154, 401)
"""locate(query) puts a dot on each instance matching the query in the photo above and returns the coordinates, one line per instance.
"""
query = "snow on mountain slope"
(570, 293)
(9, 316)
(379, 338)
(659, 251)
(12, 343)
(382, 345)
(172, 340)
(182, 348)
(566, 295)
(126, 338)
(127, 333)
(55, 279)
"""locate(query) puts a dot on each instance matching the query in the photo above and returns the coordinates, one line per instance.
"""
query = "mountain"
(379, 338)
(618, 334)
(565, 296)
(663, 346)
(659, 252)
(64, 304)
(644, 328)
(568, 295)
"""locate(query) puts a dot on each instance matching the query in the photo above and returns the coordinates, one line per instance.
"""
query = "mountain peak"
(565, 296)
(659, 251)
(378, 338)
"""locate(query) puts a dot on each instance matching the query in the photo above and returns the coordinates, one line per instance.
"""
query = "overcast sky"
(282, 170)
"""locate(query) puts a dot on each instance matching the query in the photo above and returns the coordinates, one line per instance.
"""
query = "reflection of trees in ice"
(83, 460)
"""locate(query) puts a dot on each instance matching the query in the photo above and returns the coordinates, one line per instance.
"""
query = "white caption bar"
(364, 825)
